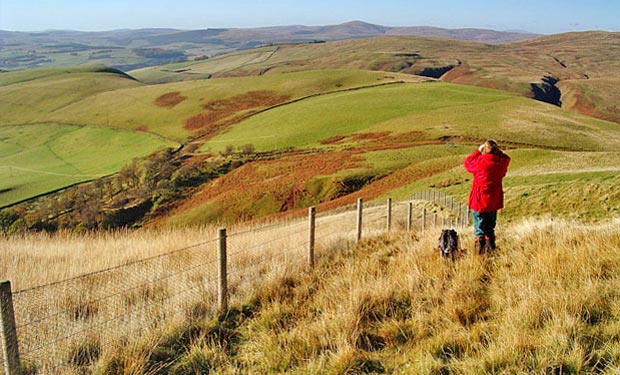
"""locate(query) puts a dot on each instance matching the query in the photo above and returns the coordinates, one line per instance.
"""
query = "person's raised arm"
(471, 162)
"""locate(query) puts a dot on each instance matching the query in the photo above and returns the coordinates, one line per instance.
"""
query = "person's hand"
(481, 147)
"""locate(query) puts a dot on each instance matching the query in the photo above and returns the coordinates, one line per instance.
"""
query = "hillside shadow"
(547, 91)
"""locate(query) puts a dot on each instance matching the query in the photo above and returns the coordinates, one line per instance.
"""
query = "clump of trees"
(142, 189)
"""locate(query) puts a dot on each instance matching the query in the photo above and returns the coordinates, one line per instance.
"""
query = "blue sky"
(540, 16)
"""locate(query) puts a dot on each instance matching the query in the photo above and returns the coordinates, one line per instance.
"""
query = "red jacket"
(486, 193)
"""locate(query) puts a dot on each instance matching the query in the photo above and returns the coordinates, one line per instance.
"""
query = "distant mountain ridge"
(131, 49)
(154, 37)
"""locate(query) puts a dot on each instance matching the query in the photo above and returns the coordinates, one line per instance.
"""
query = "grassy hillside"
(33, 95)
(433, 110)
(541, 183)
(572, 57)
(57, 123)
(38, 158)
(37, 154)
(392, 306)
(545, 302)
(398, 139)
(180, 110)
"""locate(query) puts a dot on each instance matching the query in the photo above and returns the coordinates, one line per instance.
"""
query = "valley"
(115, 187)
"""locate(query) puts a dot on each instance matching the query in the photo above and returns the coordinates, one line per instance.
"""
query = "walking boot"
(491, 242)
(480, 245)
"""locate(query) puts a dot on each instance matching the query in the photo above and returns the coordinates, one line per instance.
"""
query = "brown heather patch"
(248, 100)
(369, 136)
(142, 128)
(224, 108)
(203, 121)
(379, 138)
(170, 99)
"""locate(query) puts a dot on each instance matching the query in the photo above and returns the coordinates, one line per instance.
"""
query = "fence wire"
(444, 210)
(65, 326)
(61, 325)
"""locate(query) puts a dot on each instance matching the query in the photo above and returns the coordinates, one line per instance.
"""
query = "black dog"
(448, 244)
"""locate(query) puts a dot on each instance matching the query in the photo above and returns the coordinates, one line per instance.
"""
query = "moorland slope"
(131, 49)
(574, 70)
(277, 128)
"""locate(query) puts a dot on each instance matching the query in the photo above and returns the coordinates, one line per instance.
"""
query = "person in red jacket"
(489, 165)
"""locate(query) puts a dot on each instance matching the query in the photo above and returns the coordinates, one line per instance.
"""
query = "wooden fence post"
(312, 224)
(424, 219)
(389, 214)
(409, 216)
(358, 235)
(222, 296)
(8, 330)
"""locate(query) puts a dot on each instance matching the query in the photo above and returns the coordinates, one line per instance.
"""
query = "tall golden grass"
(546, 302)
(79, 297)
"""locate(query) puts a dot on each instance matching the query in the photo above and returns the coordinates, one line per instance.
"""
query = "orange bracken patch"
(280, 181)
(397, 179)
(248, 100)
(170, 99)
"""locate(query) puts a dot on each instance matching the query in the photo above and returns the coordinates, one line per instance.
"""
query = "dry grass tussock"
(80, 298)
(546, 302)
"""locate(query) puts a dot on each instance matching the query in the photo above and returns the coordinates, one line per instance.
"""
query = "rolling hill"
(392, 140)
(130, 49)
(39, 155)
(277, 128)
(576, 70)
(280, 128)
(75, 116)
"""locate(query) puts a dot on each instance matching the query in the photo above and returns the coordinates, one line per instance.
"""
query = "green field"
(126, 104)
(36, 95)
(541, 183)
(586, 64)
(433, 109)
(61, 126)
(38, 158)
(396, 133)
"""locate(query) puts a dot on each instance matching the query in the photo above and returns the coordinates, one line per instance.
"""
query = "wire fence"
(445, 210)
(66, 326)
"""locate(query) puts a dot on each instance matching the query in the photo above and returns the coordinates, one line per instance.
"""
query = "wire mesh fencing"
(68, 324)
(65, 326)
(444, 210)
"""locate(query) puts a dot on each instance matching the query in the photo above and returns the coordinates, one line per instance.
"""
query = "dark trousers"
(484, 224)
